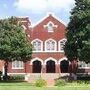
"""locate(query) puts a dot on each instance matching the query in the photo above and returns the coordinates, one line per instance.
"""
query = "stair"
(49, 77)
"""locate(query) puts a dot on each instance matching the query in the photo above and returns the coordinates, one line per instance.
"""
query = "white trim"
(50, 22)
(17, 67)
(15, 73)
(59, 47)
(41, 44)
(60, 20)
(24, 27)
(50, 58)
(53, 26)
(3, 70)
(28, 35)
(48, 14)
(34, 59)
(83, 67)
(64, 58)
(45, 47)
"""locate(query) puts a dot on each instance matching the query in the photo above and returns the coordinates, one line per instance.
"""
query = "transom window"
(62, 44)
(50, 45)
(17, 65)
(37, 45)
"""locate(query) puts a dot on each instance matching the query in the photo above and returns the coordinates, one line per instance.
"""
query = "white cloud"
(41, 6)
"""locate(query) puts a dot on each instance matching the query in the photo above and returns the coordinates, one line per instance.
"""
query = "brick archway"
(64, 66)
(50, 66)
(36, 67)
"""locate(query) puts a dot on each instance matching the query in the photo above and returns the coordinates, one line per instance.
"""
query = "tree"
(78, 32)
(13, 42)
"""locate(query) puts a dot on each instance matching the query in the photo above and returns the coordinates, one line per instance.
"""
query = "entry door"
(64, 66)
(37, 67)
(50, 67)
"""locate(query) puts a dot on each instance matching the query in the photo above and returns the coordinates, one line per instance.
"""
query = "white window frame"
(59, 46)
(47, 25)
(83, 67)
(15, 62)
(54, 46)
(41, 45)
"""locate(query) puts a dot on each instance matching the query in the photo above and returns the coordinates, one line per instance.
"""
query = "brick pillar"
(58, 68)
(31, 71)
(43, 69)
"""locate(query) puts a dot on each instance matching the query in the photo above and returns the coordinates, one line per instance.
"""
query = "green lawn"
(28, 86)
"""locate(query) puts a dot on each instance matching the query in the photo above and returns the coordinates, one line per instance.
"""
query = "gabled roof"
(49, 16)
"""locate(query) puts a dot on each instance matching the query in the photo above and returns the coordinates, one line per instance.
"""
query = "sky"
(36, 9)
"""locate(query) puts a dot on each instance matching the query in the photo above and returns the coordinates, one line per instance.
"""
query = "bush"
(60, 82)
(40, 83)
(0, 75)
(83, 81)
(17, 78)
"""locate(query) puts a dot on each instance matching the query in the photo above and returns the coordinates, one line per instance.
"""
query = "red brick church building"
(48, 39)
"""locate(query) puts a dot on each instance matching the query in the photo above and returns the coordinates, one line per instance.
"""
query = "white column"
(3, 70)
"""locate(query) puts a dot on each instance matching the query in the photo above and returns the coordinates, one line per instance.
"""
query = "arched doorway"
(36, 67)
(64, 66)
(50, 66)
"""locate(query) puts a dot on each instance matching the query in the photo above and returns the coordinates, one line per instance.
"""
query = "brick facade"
(45, 59)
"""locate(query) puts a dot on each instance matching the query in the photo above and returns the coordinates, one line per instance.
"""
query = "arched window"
(62, 44)
(50, 26)
(17, 65)
(37, 45)
(50, 45)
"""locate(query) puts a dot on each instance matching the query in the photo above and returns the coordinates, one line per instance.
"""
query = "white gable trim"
(60, 20)
(50, 58)
(33, 25)
(36, 59)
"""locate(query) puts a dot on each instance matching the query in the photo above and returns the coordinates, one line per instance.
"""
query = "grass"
(28, 86)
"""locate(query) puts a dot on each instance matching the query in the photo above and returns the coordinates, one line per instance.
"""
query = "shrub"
(17, 78)
(40, 83)
(0, 75)
(60, 82)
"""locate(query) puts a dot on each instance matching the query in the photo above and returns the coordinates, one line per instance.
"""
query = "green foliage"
(17, 78)
(78, 32)
(40, 83)
(13, 42)
(60, 82)
(83, 81)
(0, 75)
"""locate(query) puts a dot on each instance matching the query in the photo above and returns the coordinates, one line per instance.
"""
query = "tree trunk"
(5, 77)
(73, 70)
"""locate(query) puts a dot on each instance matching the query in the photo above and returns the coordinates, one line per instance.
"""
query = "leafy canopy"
(13, 42)
(78, 32)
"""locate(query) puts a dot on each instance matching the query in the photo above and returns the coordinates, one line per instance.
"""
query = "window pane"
(50, 28)
(17, 64)
(50, 45)
(62, 44)
(37, 46)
